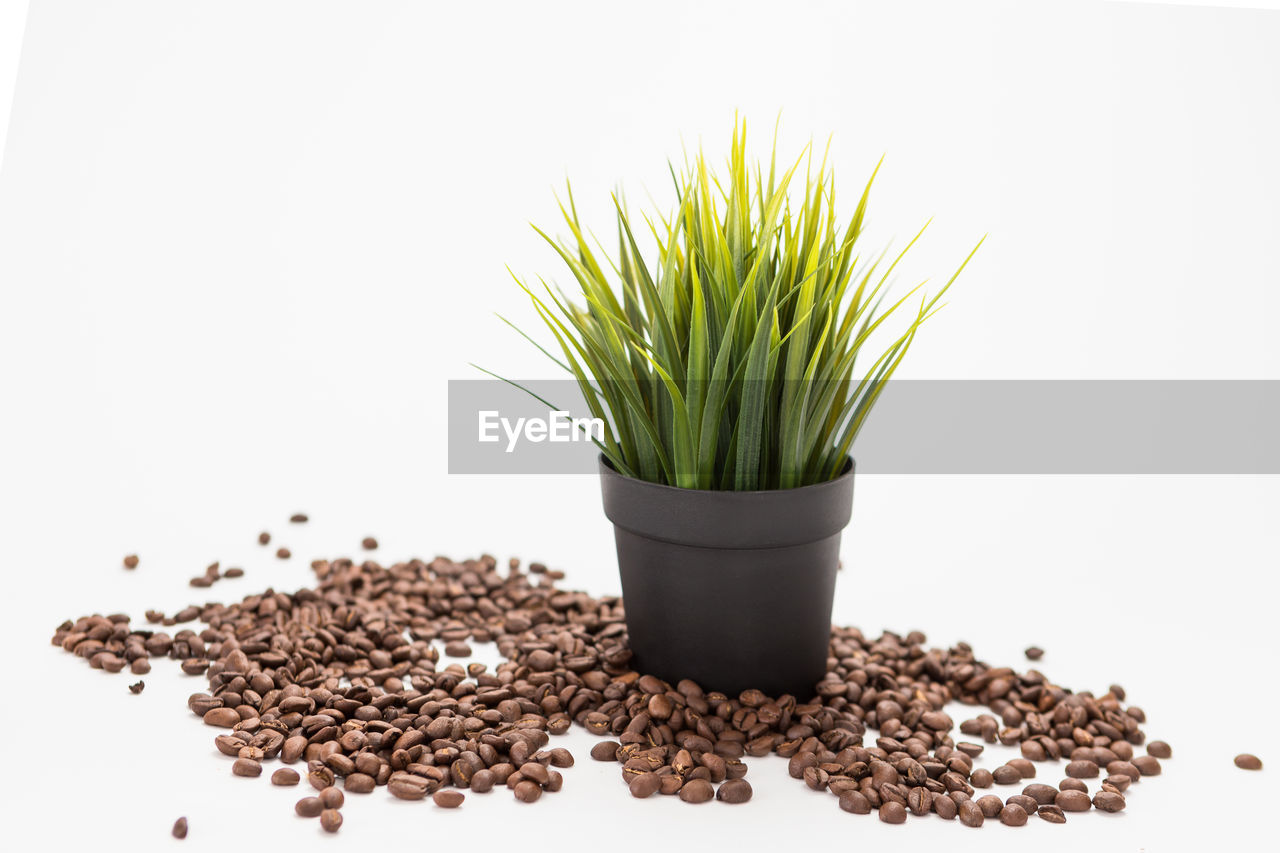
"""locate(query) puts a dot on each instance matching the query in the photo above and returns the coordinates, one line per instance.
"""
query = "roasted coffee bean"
(1117, 781)
(971, 814)
(246, 767)
(359, 783)
(137, 687)
(1159, 749)
(982, 778)
(1022, 801)
(371, 544)
(1082, 770)
(920, 801)
(696, 791)
(284, 554)
(1006, 775)
(298, 518)
(308, 807)
(234, 572)
(1108, 801)
(528, 792)
(1023, 766)
(285, 776)
(1012, 815)
(1042, 794)
(734, 791)
(447, 799)
(264, 538)
(855, 802)
(331, 798)
(1052, 814)
(330, 820)
(223, 718)
(406, 787)
(1245, 761)
(131, 562)
(990, 805)
(1148, 765)
(893, 812)
(1072, 801)
(1034, 653)
(179, 825)
(320, 777)
(944, 806)
(561, 757)
(457, 649)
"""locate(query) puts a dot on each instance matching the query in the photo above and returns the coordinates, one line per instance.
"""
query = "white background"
(244, 245)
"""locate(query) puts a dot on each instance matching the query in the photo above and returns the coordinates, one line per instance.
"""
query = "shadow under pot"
(730, 589)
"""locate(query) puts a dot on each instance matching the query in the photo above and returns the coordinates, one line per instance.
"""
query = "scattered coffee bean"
(893, 812)
(734, 791)
(1052, 814)
(1082, 770)
(330, 820)
(1159, 749)
(1034, 653)
(457, 649)
(298, 518)
(1042, 794)
(246, 767)
(1012, 815)
(697, 791)
(131, 562)
(284, 554)
(527, 791)
(1073, 785)
(971, 814)
(285, 776)
(137, 687)
(308, 807)
(264, 538)
(369, 543)
(233, 572)
(180, 828)
(1108, 801)
(1072, 801)
(1245, 761)
(1148, 765)
(448, 799)
(331, 798)
(990, 805)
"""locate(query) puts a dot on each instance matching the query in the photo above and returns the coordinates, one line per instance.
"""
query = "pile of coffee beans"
(344, 679)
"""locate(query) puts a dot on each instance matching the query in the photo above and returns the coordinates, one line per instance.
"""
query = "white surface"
(240, 256)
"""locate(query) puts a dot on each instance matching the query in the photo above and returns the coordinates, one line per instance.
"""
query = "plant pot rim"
(713, 518)
(846, 471)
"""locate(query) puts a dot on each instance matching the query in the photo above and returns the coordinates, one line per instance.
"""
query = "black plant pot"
(730, 589)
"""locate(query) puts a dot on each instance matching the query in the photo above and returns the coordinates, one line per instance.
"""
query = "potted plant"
(722, 347)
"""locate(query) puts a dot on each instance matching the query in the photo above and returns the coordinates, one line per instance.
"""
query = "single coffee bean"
(285, 776)
(234, 572)
(527, 791)
(1159, 749)
(1245, 761)
(359, 783)
(944, 806)
(1012, 815)
(982, 778)
(1022, 801)
(330, 820)
(179, 825)
(855, 803)
(1082, 770)
(696, 791)
(971, 814)
(1023, 766)
(1119, 782)
(264, 538)
(284, 554)
(298, 518)
(321, 777)
(131, 561)
(893, 812)
(920, 801)
(1148, 765)
(308, 807)
(137, 687)
(223, 718)
(1042, 794)
(246, 767)
(482, 781)
(1124, 768)
(447, 799)
(605, 750)
(1034, 653)
(1072, 801)
(1052, 814)
(457, 649)
(990, 805)
(1108, 801)
(1006, 775)
(369, 543)
(331, 798)
(1073, 785)
(734, 791)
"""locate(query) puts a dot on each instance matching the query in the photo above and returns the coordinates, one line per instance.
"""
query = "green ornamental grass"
(728, 357)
